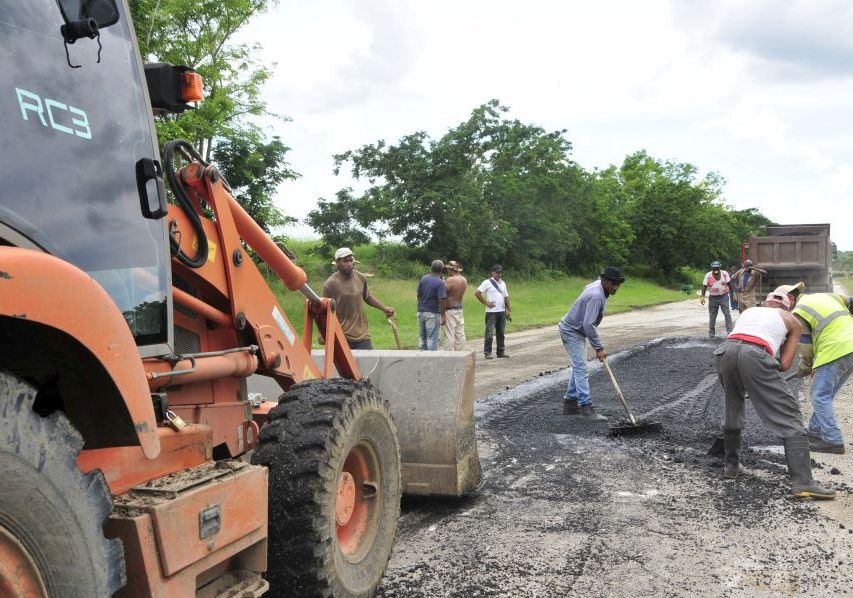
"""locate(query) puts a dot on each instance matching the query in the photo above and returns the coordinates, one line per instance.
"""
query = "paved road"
(566, 510)
(540, 350)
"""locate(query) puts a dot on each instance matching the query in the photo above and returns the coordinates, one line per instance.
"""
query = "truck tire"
(51, 514)
(334, 489)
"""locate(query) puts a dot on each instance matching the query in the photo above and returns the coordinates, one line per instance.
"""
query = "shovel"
(393, 323)
(633, 426)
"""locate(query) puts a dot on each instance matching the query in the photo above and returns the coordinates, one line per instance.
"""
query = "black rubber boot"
(717, 449)
(570, 407)
(731, 445)
(800, 469)
(588, 411)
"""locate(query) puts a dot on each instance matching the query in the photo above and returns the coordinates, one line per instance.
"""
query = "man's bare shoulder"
(456, 282)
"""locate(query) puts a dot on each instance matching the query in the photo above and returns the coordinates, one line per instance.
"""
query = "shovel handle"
(393, 323)
(619, 392)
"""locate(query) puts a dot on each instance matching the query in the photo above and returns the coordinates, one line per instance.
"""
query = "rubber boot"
(731, 446)
(717, 449)
(800, 469)
(570, 407)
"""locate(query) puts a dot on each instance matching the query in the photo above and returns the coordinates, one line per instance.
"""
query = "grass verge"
(535, 303)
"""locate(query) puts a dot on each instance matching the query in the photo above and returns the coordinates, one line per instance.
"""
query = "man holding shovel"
(577, 327)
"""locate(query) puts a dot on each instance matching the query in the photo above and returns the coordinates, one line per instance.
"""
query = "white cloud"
(760, 91)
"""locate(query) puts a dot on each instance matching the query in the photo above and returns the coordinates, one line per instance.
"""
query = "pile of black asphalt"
(566, 509)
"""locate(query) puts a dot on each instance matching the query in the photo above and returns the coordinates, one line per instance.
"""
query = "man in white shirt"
(716, 282)
(493, 294)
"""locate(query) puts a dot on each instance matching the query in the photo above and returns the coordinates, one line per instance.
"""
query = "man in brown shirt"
(454, 323)
(746, 280)
(348, 287)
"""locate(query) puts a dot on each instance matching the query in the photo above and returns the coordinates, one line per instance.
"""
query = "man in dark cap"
(716, 283)
(493, 294)
(579, 325)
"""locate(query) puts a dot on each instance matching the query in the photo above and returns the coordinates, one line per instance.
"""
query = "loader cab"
(79, 157)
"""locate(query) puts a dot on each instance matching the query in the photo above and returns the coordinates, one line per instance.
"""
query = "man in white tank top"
(762, 344)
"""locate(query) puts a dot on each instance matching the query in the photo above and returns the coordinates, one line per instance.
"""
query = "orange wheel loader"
(132, 460)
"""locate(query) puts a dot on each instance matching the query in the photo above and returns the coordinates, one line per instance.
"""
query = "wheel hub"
(19, 575)
(345, 504)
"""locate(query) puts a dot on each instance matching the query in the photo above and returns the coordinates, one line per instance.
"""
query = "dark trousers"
(495, 326)
(365, 344)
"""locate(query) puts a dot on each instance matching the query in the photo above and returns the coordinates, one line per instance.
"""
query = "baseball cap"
(779, 297)
(343, 252)
(496, 268)
(612, 273)
(790, 289)
(453, 265)
(716, 264)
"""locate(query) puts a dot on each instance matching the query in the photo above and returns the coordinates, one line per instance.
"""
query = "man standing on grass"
(577, 327)
(348, 287)
(493, 294)
(716, 282)
(762, 345)
(454, 319)
(432, 304)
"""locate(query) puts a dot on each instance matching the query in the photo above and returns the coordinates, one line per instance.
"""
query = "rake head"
(626, 428)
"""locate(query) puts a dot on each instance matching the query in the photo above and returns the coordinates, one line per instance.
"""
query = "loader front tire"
(334, 489)
(51, 514)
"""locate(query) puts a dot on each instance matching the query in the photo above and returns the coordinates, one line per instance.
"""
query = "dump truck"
(793, 252)
(133, 460)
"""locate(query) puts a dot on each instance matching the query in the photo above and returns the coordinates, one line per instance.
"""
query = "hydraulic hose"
(183, 201)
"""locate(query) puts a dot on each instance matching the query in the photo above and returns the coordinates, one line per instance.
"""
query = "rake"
(633, 425)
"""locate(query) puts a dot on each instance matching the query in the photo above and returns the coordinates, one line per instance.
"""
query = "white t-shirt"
(717, 286)
(490, 294)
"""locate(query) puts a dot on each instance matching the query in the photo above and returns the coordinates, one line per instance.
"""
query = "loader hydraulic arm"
(252, 307)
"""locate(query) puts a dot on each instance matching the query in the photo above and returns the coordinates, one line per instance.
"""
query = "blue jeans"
(578, 387)
(495, 328)
(828, 380)
(428, 324)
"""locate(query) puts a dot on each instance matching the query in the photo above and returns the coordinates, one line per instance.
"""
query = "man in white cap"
(762, 344)
(348, 287)
(745, 281)
(826, 350)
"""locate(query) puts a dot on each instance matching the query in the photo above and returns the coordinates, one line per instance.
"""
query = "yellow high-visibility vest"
(831, 323)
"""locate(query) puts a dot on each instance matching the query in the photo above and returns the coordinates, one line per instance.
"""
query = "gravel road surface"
(567, 510)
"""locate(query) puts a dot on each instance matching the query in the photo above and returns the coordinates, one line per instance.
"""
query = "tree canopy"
(200, 34)
(495, 189)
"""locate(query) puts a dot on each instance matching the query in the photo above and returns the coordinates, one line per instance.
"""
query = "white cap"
(343, 252)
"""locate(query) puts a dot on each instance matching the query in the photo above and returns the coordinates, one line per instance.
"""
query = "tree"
(254, 169)
(199, 34)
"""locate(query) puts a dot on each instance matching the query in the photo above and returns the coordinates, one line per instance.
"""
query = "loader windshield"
(70, 139)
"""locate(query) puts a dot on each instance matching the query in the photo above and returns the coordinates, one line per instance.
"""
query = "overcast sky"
(760, 91)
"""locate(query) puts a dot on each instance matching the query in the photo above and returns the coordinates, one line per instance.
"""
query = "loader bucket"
(431, 394)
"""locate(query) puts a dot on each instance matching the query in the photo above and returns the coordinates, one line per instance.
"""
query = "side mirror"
(103, 12)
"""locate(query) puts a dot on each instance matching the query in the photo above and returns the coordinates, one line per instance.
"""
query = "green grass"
(847, 283)
(535, 303)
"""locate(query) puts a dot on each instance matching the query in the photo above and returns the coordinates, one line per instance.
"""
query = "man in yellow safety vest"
(826, 349)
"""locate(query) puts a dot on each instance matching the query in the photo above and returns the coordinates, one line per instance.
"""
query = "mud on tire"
(53, 511)
(334, 489)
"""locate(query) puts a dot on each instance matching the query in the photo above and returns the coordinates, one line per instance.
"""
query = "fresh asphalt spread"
(567, 510)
